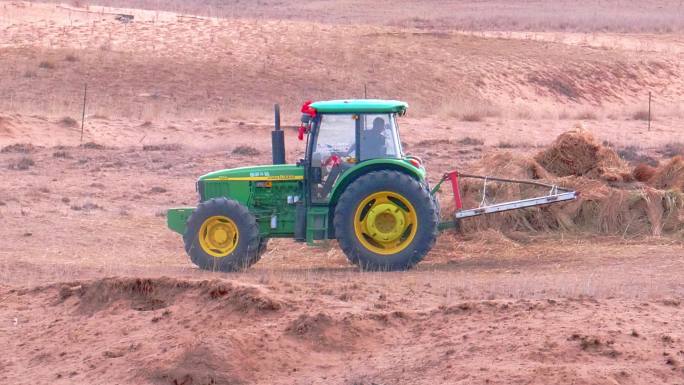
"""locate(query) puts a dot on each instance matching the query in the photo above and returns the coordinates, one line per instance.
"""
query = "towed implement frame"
(555, 194)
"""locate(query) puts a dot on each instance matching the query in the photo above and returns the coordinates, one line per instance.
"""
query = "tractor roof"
(360, 106)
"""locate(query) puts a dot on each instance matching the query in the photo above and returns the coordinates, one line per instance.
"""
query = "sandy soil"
(95, 290)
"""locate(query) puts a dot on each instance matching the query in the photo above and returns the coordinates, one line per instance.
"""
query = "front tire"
(386, 220)
(222, 235)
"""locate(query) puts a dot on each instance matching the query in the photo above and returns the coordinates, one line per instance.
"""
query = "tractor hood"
(271, 172)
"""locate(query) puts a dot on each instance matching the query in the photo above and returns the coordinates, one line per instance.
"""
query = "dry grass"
(246, 151)
(469, 109)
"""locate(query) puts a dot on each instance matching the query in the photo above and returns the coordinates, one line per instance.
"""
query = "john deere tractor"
(355, 184)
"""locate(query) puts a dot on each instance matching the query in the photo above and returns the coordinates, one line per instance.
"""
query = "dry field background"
(173, 96)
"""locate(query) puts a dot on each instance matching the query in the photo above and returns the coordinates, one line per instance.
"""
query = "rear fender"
(373, 165)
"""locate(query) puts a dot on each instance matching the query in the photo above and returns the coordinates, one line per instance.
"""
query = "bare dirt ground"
(95, 290)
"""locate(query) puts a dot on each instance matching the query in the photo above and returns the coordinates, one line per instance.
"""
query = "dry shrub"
(23, 163)
(92, 146)
(586, 115)
(433, 142)
(162, 147)
(71, 58)
(672, 149)
(88, 206)
(642, 115)
(504, 144)
(633, 155)
(670, 175)
(68, 121)
(61, 154)
(46, 64)
(468, 141)
(21, 148)
(246, 151)
(577, 153)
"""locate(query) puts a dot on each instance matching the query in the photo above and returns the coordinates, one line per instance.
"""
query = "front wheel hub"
(218, 236)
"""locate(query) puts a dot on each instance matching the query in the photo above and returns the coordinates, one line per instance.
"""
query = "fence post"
(649, 110)
(85, 95)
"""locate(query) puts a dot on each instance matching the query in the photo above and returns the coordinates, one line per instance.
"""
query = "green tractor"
(355, 184)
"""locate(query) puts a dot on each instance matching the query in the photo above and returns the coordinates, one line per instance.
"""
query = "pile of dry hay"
(577, 162)
(577, 153)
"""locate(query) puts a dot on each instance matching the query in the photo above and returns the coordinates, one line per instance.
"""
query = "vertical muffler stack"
(278, 139)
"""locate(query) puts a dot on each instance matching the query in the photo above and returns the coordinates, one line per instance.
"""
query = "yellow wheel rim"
(385, 222)
(218, 236)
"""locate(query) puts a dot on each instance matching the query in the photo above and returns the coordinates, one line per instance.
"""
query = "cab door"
(333, 150)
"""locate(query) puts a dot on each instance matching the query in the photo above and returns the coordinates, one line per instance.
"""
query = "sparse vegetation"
(246, 151)
(71, 58)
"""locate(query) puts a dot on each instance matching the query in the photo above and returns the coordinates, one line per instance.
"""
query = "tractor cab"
(343, 134)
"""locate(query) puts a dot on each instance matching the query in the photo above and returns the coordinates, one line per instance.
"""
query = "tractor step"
(316, 225)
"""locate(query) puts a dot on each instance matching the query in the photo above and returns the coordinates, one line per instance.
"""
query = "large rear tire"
(222, 235)
(386, 220)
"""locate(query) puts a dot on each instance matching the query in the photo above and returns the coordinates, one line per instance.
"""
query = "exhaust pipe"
(278, 139)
